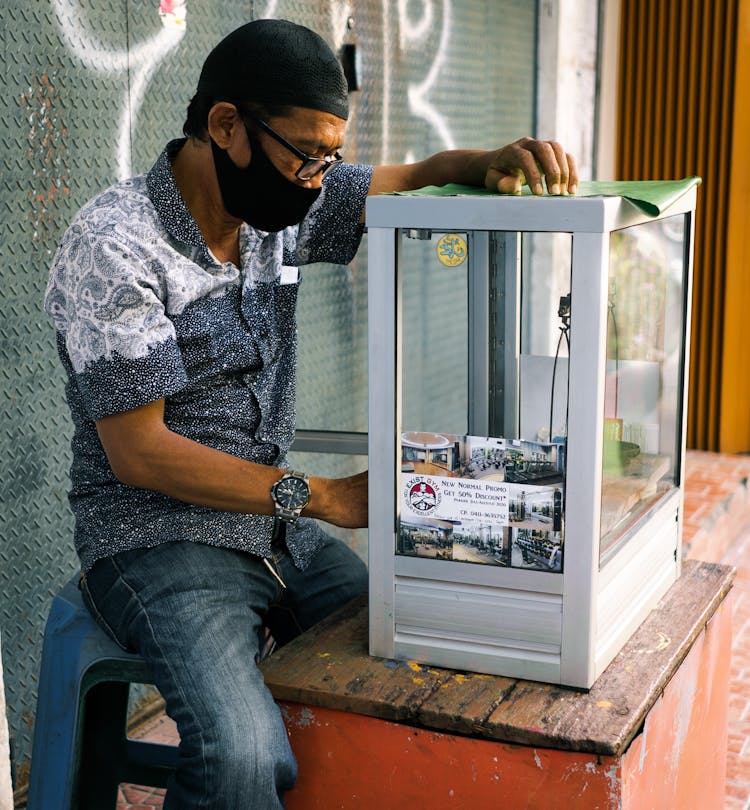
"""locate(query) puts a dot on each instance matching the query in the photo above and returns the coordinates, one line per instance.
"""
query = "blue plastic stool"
(81, 751)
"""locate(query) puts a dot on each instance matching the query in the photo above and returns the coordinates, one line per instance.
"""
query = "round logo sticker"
(421, 496)
(451, 249)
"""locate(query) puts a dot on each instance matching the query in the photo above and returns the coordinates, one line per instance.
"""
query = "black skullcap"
(276, 62)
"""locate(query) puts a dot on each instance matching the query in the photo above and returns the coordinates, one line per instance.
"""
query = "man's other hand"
(341, 501)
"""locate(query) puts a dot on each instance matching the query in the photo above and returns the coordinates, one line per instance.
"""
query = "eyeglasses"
(311, 166)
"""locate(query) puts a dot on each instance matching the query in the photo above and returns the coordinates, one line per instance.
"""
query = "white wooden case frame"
(560, 628)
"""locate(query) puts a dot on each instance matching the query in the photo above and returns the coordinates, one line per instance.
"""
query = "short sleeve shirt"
(143, 311)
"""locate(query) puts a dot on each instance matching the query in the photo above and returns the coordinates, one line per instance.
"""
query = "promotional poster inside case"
(491, 501)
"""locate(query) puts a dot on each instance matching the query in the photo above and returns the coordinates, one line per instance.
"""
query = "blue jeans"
(196, 613)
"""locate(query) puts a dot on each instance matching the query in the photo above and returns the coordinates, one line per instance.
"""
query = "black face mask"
(260, 194)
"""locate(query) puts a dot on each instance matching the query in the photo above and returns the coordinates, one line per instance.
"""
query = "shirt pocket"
(269, 311)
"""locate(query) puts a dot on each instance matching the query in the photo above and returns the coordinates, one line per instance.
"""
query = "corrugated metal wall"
(90, 92)
(734, 428)
(676, 111)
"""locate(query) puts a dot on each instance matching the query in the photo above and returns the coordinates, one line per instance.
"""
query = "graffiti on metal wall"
(43, 150)
(412, 34)
(414, 24)
(138, 60)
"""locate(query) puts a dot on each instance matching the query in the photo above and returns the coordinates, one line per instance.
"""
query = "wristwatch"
(290, 494)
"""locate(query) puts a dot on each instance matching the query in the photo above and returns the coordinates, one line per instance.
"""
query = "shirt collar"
(170, 206)
(175, 216)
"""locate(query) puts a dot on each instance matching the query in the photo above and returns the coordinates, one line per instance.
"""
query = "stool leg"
(54, 755)
(102, 750)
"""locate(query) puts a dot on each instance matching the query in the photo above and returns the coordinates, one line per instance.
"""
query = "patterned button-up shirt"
(143, 311)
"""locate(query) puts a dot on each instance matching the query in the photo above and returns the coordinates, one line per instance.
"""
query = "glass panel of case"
(642, 421)
(521, 522)
(434, 319)
(492, 499)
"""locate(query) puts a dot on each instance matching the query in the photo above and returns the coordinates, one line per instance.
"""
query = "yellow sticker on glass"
(451, 249)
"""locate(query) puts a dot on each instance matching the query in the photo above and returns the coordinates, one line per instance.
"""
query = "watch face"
(292, 493)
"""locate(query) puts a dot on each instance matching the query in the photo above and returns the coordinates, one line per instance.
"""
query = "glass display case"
(526, 441)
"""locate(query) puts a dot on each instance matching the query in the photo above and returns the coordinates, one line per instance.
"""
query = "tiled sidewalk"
(738, 751)
(717, 505)
(133, 797)
(716, 529)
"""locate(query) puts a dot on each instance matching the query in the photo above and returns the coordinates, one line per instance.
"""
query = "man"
(173, 298)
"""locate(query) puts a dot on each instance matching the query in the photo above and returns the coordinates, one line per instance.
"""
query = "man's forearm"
(454, 166)
(144, 453)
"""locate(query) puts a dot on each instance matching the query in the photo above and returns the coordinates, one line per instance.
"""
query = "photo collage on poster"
(482, 500)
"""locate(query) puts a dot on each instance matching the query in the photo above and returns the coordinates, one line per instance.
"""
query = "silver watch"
(290, 494)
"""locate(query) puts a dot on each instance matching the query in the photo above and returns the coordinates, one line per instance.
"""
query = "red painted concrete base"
(350, 761)
(679, 759)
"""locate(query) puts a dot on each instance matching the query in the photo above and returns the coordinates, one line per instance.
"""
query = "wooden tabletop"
(328, 666)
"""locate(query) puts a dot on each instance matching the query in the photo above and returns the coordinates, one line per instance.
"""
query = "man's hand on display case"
(506, 170)
(528, 161)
